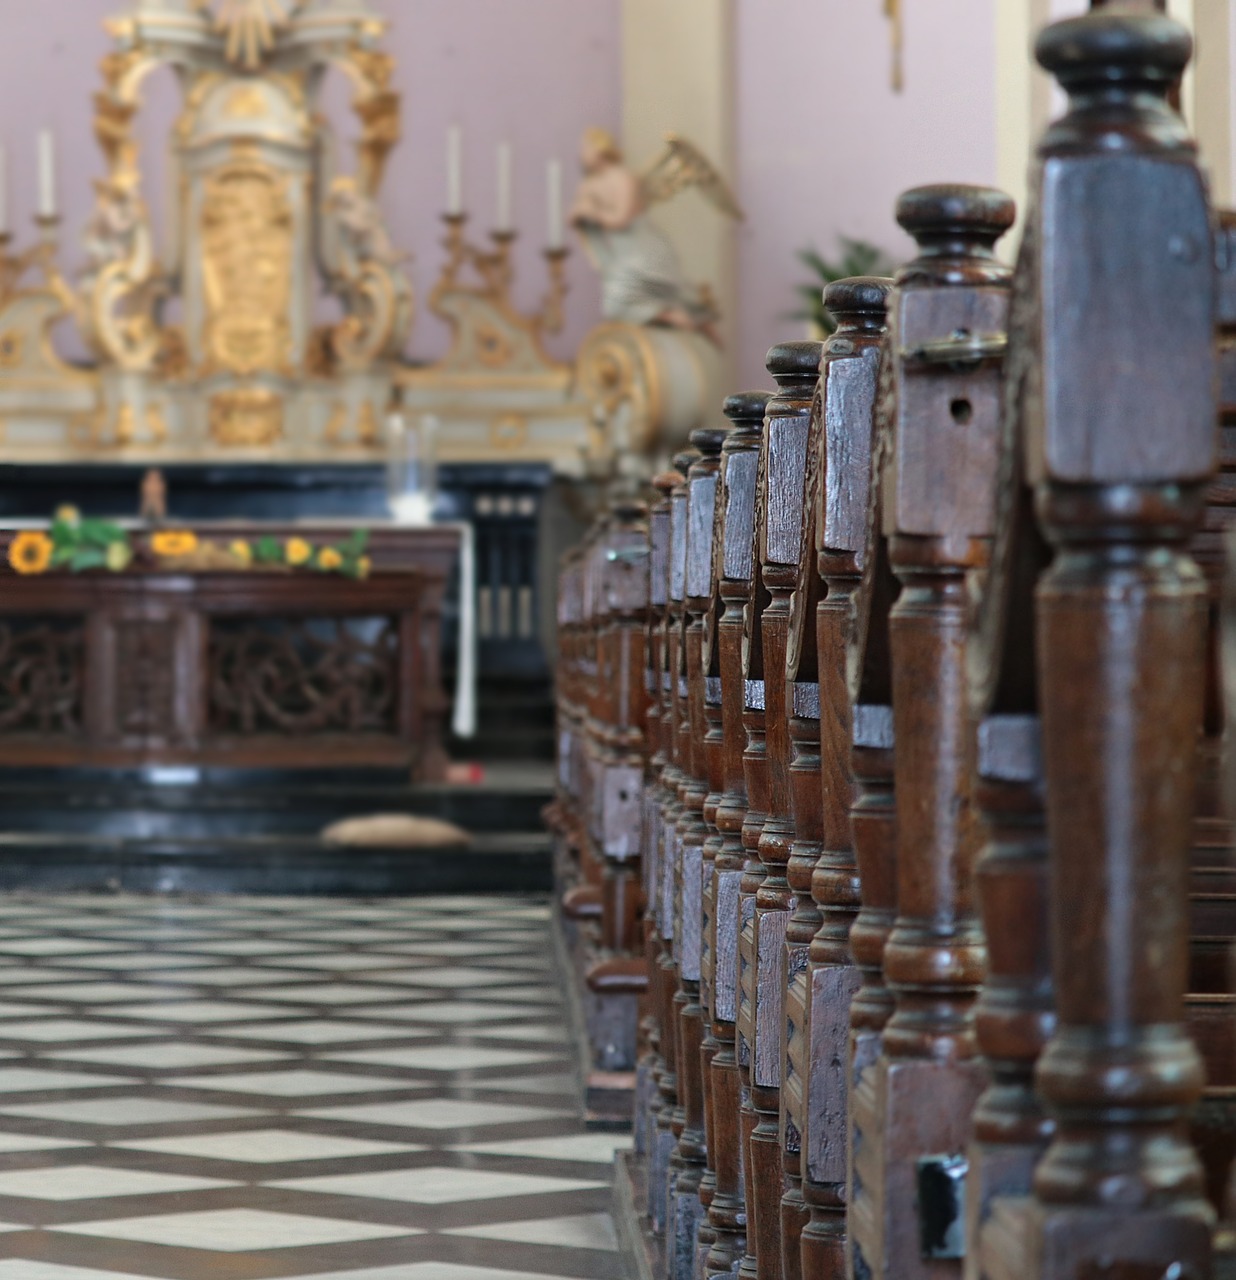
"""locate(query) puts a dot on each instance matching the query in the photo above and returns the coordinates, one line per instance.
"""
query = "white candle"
(47, 174)
(454, 170)
(553, 186)
(4, 190)
(505, 167)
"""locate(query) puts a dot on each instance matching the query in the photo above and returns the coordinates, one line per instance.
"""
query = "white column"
(678, 77)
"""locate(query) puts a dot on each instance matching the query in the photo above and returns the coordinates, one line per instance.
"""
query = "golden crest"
(245, 102)
(247, 230)
(247, 416)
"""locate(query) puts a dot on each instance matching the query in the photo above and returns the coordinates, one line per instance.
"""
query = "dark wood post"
(727, 1216)
(947, 324)
(820, 979)
(651, 1063)
(685, 1208)
(671, 1117)
(1015, 1012)
(1119, 451)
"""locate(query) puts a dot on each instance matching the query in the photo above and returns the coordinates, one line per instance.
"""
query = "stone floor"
(251, 1088)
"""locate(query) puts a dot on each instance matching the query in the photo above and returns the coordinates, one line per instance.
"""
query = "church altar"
(269, 317)
(255, 668)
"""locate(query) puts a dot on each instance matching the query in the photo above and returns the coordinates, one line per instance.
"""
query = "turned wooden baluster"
(947, 325)
(727, 1215)
(651, 1062)
(1015, 1011)
(618, 977)
(873, 828)
(768, 831)
(821, 871)
(1119, 449)
(672, 1115)
(1212, 989)
(714, 760)
(685, 1208)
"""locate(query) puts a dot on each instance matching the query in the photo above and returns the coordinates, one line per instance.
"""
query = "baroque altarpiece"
(272, 319)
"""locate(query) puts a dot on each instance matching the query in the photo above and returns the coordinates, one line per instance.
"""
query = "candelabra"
(490, 333)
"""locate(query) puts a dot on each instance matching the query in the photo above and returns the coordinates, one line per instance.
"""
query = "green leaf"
(88, 558)
(268, 550)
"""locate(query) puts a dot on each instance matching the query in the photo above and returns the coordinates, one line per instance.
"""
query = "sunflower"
(329, 558)
(67, 514)
(31, 552)
(242, 551)
(173, 542)
(297, 551)
(363, 565)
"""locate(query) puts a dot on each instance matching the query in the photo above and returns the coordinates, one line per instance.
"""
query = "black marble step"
(56, 861)
(162, 804)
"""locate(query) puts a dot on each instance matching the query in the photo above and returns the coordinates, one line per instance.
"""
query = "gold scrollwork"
(246, 417)
(247, 230)
(510, 431)
(12, 348)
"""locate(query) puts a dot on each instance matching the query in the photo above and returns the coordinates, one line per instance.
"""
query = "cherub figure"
(117, 223)
(641, 279)
(362, 230)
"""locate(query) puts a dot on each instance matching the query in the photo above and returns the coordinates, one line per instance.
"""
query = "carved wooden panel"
(297, 675)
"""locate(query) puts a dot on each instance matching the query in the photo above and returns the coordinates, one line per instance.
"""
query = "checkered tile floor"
(266, 1087)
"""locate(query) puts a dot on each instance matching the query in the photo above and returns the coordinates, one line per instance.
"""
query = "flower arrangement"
(77, 544)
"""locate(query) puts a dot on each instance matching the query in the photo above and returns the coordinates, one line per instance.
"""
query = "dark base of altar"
(258, 831)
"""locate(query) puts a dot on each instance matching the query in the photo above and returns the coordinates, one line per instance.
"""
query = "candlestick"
(454, 170)
(553, 185)
(47, 174)
(505, 169)
(4, 190)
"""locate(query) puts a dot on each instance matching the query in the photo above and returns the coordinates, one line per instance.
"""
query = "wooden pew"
(910, 1107)
(688, 1164)
(820, 977)
(1118, 448)
(651, 1063)
(734, 563)
(768, 831)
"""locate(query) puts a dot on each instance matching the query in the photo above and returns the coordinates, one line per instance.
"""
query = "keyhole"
(962, 411)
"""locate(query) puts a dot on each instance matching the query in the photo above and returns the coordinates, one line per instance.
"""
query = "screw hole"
(962, 411)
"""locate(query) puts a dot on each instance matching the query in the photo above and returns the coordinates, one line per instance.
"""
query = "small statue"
(642, 281)
(118, 223)
(362, 231)
(154, 497)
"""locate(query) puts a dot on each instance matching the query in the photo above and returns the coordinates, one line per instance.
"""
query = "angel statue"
(641, 279)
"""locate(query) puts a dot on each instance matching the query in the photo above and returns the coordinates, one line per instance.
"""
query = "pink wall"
(535, 73)
(824, 146)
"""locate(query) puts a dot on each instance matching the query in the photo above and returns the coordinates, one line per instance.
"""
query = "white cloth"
(463, 721)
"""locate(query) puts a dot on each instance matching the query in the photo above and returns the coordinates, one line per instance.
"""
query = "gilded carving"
(12, 348)
(247, 230)
(245, 417)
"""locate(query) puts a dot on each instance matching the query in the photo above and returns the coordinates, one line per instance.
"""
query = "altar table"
(246, 669)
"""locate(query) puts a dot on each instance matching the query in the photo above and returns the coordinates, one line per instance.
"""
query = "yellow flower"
(329, 558)
(31, 552)
(242, 551)
(174, 542)
(297, 551)
(119, 554)
(67, 515)
(363, 565)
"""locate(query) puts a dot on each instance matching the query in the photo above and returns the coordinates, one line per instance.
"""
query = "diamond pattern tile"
(94, 1182)
(438, 1186)
(311, 1089)
(235, 1230)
